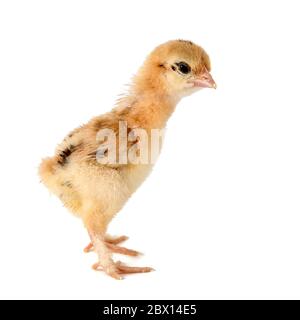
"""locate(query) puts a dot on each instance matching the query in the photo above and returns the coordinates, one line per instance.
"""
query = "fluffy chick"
(95, 191)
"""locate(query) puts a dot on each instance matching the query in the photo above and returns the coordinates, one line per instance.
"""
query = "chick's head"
(176, 68)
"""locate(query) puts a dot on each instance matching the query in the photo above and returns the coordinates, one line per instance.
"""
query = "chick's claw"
(117, 249)
(116, 240)
(108, 240)
(123, 269)
(120, 268)
(89, 248)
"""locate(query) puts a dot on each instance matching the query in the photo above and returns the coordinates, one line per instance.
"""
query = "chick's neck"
(151, 111)
(153, 104)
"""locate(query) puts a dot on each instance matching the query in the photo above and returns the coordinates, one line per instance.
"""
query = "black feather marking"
(64, 154)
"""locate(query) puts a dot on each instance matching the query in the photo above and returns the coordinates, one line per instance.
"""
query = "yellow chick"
(99, 165)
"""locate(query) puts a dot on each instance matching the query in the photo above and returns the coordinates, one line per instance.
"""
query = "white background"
(219, 217)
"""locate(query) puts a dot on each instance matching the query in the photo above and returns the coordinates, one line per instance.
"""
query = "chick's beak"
(204, 80)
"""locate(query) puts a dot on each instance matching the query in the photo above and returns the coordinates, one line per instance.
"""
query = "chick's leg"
(96, 225)
(105, 256)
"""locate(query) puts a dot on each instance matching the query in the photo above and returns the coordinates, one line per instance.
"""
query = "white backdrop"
(224, 226)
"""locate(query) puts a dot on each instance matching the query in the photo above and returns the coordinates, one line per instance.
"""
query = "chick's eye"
(183, 67)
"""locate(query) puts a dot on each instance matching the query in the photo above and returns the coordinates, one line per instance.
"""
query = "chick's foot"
(120, 269)
(112, 244)
(108, 240)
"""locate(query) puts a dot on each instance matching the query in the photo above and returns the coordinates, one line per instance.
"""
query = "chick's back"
(74, 175)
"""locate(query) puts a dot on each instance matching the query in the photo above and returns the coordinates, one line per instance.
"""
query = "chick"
(96, 190)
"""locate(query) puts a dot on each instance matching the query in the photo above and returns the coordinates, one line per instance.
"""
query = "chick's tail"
(56, 180)
(47, 173)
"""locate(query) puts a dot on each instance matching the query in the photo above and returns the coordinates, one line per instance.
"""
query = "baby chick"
(95, 190)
